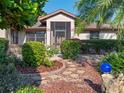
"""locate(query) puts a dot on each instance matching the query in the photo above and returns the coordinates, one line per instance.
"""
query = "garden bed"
(41, 69)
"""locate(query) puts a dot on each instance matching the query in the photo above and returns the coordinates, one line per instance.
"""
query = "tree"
(101, 11)
(80, 25)
(19, 14)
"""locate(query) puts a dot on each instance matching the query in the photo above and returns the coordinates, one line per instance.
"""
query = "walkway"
(76, 78)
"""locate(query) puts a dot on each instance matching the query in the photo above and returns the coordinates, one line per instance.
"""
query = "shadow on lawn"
(37, 79)
(33, 78)
(96, 87)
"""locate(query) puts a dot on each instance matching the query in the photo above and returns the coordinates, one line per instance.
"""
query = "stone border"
(41, 76)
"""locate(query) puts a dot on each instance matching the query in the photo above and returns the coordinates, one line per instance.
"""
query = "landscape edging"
(41, 76)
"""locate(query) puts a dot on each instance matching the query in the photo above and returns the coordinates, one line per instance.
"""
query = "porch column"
(48, 37)
(48, 33)
(72, 29)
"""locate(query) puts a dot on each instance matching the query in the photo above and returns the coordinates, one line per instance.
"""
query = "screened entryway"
(59, 32)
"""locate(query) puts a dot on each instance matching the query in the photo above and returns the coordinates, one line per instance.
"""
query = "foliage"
(3, 46)
(18, 14)
(52, 51)
(34, 54)
(98, 45)
(117, 62)
(70, 49)
(13, 59)
(80, 26)
(3, 49)
(10, 79)
(29, 89)
(101, 11)
(48, 62)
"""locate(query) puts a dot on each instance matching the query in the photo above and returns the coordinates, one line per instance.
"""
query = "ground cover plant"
(29, 89)
(116, 60)
(10, 79)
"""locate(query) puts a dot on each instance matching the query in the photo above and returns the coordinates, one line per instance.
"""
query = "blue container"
(106, 67)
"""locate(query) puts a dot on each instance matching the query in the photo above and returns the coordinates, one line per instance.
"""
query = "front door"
(59, 36)
(59, 32)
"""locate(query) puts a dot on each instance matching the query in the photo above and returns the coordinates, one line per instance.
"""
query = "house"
(55, 27)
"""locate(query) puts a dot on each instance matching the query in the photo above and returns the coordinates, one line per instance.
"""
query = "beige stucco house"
(55, 27)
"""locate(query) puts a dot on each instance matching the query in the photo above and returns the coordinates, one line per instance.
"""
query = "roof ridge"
(55, 12)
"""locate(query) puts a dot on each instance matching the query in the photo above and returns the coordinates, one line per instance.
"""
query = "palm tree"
(101, 11)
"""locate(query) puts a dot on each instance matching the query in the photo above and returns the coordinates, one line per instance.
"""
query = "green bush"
(101, 44)
(3, 45)
(35, 54)
(3, 49)
(70, 49)
(16, 61)
(10, 79)
(52, 51)
(29, 89)
(48, 62)
(117, 62)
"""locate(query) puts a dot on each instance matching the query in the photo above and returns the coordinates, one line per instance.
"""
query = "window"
(40, 36)
(30, 36)
(35, 36)
(14, 37)
(94, 35)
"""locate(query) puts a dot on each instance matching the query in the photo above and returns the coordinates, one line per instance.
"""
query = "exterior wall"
(102, 35)
(2, 33)
(58, 18)
(108, 35)
(83, 36)
(21, 37)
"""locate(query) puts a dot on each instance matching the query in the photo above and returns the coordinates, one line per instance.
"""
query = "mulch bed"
(40, 69)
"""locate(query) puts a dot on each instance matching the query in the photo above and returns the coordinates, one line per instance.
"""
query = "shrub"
(34, 54)
(3, 45)
(29, 89)
(10, 79)
(48, 62)
(3, 49)
(101, 44)
(52, 51)
(70, 49)
(117, 62)
(16, 61)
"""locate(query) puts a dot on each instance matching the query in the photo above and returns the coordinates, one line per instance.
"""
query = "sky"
(53, 5)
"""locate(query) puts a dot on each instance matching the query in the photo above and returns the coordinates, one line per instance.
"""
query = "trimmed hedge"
(95, 46)
(70, 49)
(33, 53)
